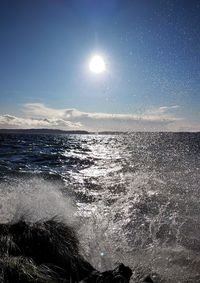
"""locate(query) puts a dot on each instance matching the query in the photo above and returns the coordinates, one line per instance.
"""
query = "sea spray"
(136, 195)
(140, 223)
(35, 199)
(38, 243)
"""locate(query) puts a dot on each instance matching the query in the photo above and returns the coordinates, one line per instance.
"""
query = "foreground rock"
(121, 274)
(48, 252)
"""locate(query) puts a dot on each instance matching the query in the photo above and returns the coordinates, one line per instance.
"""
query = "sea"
(132, 197)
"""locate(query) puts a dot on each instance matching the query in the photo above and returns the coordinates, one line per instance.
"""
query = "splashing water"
(136, 196)
(35, 200)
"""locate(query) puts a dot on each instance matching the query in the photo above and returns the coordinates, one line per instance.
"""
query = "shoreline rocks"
(48, 252)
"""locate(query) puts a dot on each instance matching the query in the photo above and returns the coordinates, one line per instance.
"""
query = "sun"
(97, 64)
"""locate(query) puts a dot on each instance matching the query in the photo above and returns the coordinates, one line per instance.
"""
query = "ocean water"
(133, 198)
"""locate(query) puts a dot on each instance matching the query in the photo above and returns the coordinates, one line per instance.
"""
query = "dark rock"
(48, 252)
(120, 274)
(148, 280)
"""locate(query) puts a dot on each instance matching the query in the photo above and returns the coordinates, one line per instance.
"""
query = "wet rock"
(148, 280)
(46, 252)
(120, 274)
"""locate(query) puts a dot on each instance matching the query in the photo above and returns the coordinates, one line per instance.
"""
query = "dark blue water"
(133, 198)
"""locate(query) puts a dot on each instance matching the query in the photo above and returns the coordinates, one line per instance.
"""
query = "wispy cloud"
(157, 114)
(38, 115)
(8, 121)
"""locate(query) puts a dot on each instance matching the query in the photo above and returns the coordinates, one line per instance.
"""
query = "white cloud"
(163, 110)
(37, 115)
(40, 110)
(8, 122)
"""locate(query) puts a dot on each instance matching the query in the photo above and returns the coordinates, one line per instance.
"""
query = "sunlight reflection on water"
(137, 195)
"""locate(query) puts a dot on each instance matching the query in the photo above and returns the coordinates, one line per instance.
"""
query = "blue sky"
(151, 49)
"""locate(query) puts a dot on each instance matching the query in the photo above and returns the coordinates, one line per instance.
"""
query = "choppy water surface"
(133, 198)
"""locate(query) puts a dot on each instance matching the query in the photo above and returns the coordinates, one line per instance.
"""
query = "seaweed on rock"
(47, 252)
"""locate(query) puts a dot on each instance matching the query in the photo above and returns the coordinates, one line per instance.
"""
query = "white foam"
(34, 200)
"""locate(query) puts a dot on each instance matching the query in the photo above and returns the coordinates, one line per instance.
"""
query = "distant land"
(40, 131)
(53, 132)
(75, 132)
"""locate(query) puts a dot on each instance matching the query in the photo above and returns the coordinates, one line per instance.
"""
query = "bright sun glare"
(97, 64)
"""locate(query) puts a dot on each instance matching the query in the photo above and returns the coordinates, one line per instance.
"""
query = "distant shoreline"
(55, 132)
(74, 132)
